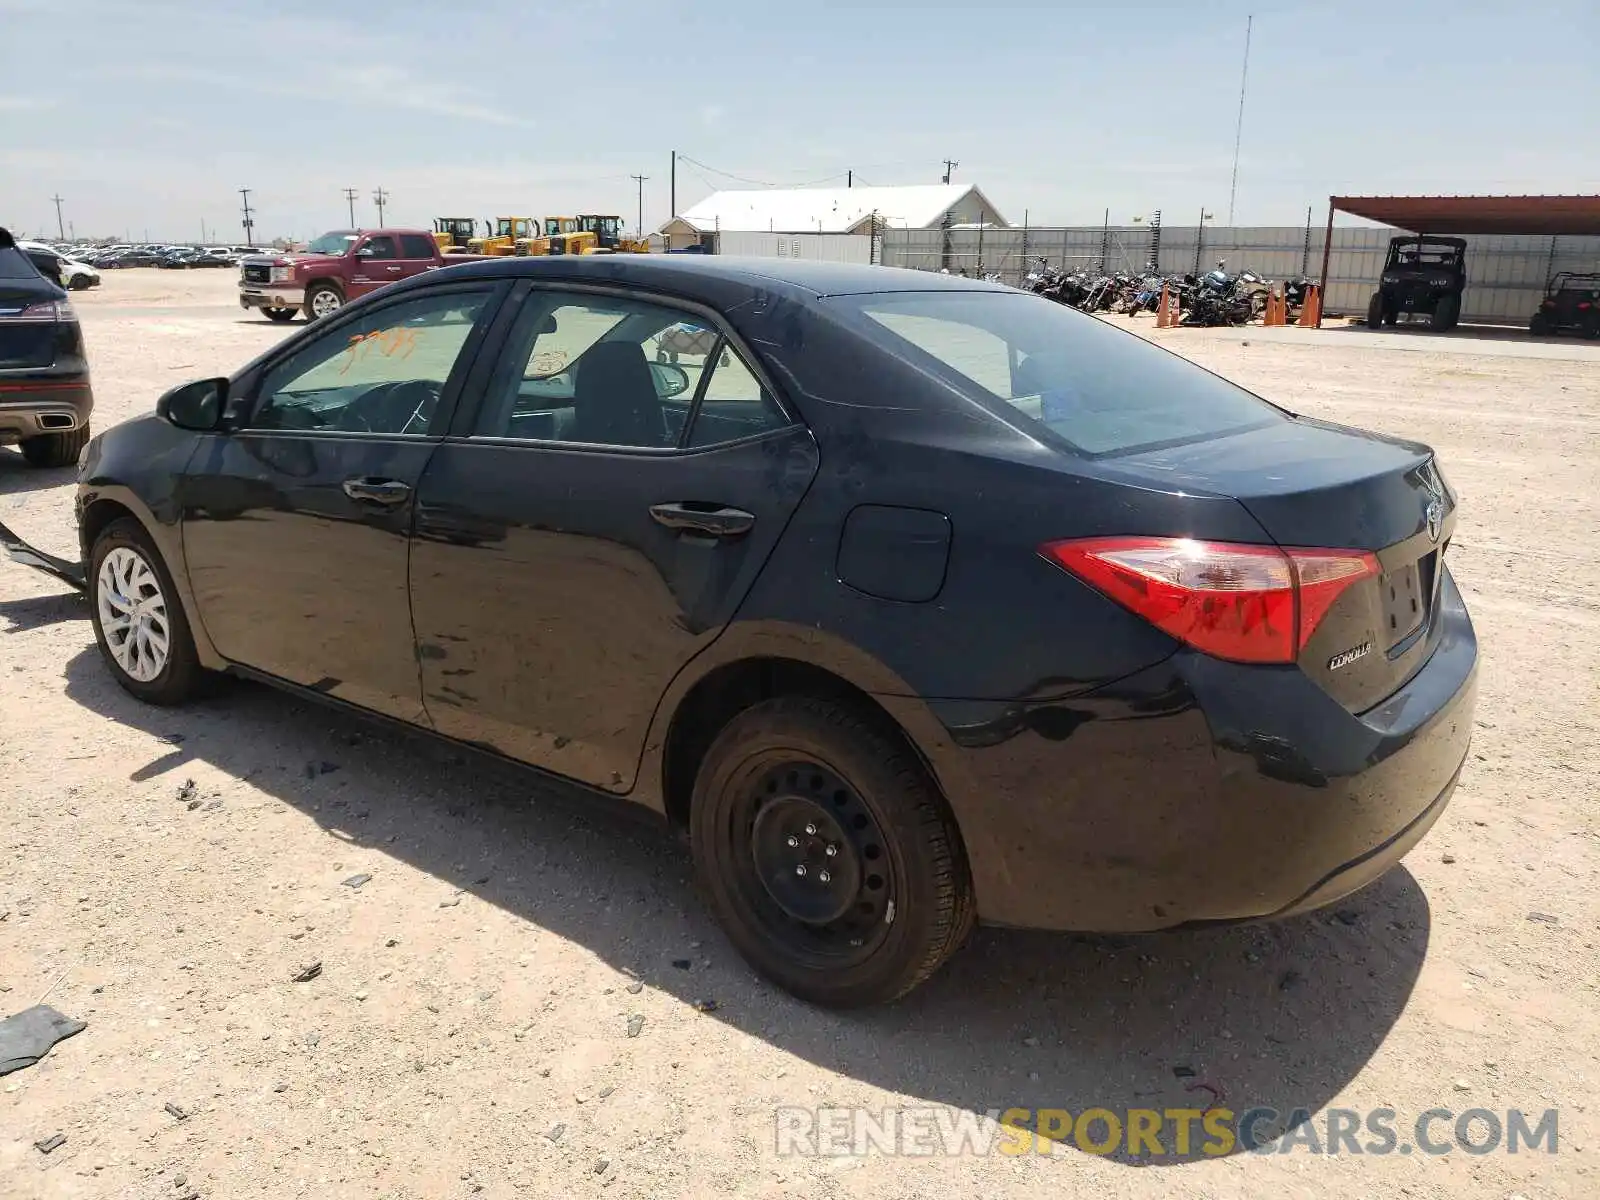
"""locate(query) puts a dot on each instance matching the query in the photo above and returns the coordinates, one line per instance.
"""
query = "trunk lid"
(1316, 484)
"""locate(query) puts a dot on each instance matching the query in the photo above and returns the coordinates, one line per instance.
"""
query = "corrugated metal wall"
(815, 247)
(1505, 274)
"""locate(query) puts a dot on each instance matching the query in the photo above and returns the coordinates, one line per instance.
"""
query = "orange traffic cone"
(1277, 310)
(1311, 310)
(1166, 308)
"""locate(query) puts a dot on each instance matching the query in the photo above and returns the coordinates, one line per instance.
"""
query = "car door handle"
(387, 492)
(712, 519)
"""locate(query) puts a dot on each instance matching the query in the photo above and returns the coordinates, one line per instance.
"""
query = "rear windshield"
(1094, 387)
(14, 264)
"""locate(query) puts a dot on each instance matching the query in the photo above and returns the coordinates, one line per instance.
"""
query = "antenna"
(1238, 132)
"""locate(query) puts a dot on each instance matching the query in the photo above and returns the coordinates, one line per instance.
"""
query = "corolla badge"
(1345, 657)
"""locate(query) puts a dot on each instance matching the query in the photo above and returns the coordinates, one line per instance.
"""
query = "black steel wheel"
(827, 854)
(1375, 311)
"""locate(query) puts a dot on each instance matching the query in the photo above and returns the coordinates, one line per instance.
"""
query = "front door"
(594, 526)
(377, 263)
(296, 526)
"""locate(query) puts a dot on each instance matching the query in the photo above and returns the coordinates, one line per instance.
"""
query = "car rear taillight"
(1240, 602)
(45, 312)
(1582, 304)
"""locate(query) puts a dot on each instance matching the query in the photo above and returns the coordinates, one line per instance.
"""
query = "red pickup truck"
(336, 268)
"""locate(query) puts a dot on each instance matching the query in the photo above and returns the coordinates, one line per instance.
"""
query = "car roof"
(692, 273)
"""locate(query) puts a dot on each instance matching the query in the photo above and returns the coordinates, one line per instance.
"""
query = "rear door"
(377, 263)
(296, 526)
(593, 526)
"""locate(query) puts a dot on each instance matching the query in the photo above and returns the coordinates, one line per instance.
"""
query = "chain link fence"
(1506, 274)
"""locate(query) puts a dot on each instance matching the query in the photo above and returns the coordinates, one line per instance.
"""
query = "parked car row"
(61, 269)
(107, 258)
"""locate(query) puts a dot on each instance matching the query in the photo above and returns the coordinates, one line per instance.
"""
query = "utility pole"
(244, 194)
(674, 197)
(949, 165)
(350, 199)
(638, 230)
(849, 179)
(1238, 132)
(60, 229)
(380, 198)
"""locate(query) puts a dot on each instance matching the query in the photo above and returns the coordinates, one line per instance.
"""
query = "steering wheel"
(404, 407)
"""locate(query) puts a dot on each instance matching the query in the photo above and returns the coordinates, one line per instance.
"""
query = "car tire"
(1445, 314)
(1375, 313)
(280, 315)
(786, 780)
(1591, 326)
(1539, 325)
(323, 300)
(55, 449)
(124, 552)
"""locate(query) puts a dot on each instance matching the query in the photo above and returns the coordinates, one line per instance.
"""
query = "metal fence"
(1506, 274)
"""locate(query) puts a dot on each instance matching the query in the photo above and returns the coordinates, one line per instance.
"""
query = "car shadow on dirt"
(17, 476)
(1280, 1015)
(37, 612)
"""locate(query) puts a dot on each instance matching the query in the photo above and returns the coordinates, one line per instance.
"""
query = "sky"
(146, 117)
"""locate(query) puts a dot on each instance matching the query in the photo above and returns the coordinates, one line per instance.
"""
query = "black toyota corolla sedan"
(916, 601)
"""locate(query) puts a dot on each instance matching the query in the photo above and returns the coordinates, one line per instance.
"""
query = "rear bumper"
(32, 404)
(271, 295)
(1199, 791)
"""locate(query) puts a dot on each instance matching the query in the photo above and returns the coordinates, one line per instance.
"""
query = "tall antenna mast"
(1238, 132)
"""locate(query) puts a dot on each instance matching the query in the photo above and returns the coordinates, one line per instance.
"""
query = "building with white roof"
(834, 210)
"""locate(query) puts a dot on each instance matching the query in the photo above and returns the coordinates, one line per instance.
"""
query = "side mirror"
(197, 406)
(671, 379)
(364, 252)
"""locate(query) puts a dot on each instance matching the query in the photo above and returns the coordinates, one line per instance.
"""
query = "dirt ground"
(469, 1033)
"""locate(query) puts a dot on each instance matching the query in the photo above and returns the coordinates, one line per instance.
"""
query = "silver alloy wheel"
(133, 614)
(324, 302)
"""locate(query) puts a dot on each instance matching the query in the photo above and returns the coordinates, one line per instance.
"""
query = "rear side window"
(1100, 390)
(414, 245)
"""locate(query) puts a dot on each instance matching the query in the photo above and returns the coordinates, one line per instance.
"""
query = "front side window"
(379, 247)
(383, 373)
(1098, 389)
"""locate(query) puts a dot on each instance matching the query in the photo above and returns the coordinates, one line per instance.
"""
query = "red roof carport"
(1551, 215)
